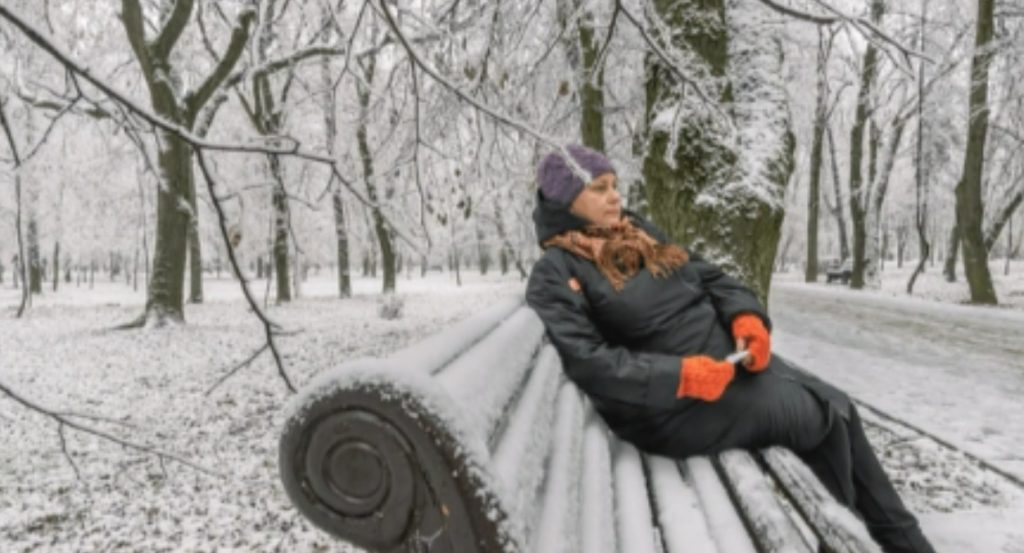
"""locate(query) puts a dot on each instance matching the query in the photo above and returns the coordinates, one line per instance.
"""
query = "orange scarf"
(618, 250)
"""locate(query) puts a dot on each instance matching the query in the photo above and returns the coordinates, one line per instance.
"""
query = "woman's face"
(599, 202)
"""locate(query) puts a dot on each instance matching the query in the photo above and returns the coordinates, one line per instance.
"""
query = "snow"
(724, 523)
(485, 378)
(632, 508)
(759, 502)
(557, 526)
(154, 383)
(680, 513)
(519, 458)
(951, 370)
(597, 515)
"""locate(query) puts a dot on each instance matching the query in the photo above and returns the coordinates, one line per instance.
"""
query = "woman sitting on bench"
(643, 327)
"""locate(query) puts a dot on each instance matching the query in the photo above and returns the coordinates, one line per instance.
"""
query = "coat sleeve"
(729, 296)
(599, 368)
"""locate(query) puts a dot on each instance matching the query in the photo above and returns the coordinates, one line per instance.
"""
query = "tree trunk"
(592, 87)
(379, 223)
(337, 202)
(920, 178)
(952, 253)
(817, 140)
(700, 188)
(1009, 246)
(167, 282)
(837, 185)
(969, 206)
(999, 221)
(195, 255)
(873, 254)
(858, 192)
(281, 223)
(35, 269)
(56, 264)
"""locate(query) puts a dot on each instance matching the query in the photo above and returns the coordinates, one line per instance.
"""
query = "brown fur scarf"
(618, 250)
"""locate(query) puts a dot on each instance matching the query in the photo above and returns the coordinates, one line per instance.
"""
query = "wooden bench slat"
(434, 352)
(519, 457)
(557, 530)
(597, 517)
(725, 525)
(486, 378)
(680, 513)
(632, 506)
(834, 524)
(771, 526)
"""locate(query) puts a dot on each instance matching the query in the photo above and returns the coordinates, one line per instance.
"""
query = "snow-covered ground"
(954, 371)
(153, 385)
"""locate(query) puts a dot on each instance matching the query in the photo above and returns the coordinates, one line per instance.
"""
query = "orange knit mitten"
(704, 378)
(750, 329)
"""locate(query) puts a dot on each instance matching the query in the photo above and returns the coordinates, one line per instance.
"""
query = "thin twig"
(17, 220)
(64, 450)
(269, 327)
(62, 420)
(238, 366)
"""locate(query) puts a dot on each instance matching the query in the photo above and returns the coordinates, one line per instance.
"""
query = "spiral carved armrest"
(372, 462)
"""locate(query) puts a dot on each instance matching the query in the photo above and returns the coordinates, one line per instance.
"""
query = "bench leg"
(850, 470)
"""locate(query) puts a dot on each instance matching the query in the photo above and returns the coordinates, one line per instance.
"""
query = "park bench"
(472, 440)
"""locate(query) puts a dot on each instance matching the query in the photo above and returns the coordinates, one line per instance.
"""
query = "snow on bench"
(473, 441)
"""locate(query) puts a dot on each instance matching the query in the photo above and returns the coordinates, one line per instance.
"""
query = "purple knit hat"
(558, 182)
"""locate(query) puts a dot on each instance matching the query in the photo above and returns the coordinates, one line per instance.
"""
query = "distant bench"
(473, 441)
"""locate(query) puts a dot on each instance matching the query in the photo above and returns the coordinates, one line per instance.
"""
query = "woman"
(643, 327)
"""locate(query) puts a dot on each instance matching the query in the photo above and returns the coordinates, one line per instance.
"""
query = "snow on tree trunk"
(716, 174)
(858, 188)
(174, 211)
(165, 300)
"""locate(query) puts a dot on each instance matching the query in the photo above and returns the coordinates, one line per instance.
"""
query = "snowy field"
(954, 371)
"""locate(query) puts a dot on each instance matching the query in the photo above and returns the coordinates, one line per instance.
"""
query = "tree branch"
(269, 328)
(132, 20)
(239, 37)
(173, 28)
(792, 12)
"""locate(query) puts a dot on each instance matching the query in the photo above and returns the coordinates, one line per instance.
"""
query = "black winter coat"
(624, 350)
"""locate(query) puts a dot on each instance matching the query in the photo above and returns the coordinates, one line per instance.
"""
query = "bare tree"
(969, 208)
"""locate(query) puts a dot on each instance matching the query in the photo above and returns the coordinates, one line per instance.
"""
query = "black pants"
(848, 467)
(816, 421)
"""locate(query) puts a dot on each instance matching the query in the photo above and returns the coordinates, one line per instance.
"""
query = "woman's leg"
(845, 463)
(886, 517)
(776, 409)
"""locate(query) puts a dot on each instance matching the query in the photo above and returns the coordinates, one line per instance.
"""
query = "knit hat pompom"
(558, 182)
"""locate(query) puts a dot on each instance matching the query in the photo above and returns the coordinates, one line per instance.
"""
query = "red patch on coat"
(574, 285)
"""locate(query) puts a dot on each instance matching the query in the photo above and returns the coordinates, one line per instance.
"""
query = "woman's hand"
(751, 335)
(704, 377)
